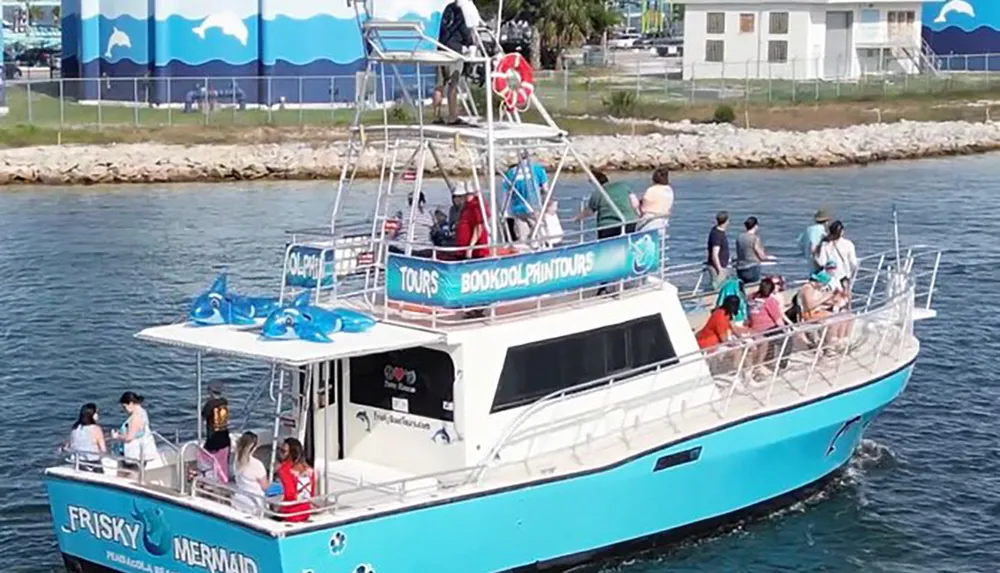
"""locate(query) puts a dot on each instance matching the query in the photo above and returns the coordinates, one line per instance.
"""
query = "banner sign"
(480, 282)
(303, 263)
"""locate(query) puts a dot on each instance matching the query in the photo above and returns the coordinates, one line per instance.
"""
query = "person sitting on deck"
(719, 327)
(524, 184)
(86, 440)
(816, 300)
(734, 287)
(422, 223)
(458, 197)
(766, 320)
(458, 20)
(443, 233)
(298, 481)
(609, 223)
(472, 230)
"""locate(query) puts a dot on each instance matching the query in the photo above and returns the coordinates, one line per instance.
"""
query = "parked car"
(38, 57)
(623, 41)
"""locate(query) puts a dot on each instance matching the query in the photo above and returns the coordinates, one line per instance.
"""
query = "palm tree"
(557, 25)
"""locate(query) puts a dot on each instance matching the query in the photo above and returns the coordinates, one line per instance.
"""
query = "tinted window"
(418, 381)
(533, 370)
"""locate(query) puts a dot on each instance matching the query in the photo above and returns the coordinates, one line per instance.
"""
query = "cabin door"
(837, 61)
(324, 427)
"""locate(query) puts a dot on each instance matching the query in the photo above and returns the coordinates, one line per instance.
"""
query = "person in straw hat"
(811, 237)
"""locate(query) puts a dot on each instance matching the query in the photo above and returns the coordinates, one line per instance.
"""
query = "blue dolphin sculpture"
(217, 306)
(305, 321)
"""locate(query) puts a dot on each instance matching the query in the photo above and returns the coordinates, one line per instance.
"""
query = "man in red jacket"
(471, 229)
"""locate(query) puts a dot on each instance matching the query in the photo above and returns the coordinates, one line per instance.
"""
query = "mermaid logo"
(155, 531)
(643, 252)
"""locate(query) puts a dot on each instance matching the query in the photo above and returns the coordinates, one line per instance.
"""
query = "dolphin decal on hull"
(956, 6)
(843, 430)
(117, 39)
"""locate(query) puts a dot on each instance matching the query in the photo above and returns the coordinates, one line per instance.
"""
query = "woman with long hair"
(836, 255)
(298, 481)
(251, 476)
(86, 439)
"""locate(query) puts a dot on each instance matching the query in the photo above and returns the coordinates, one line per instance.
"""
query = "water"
(84, 269)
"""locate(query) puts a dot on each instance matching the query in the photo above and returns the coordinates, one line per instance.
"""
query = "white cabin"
(802, 40)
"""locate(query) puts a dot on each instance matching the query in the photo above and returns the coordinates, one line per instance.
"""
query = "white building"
(801, 39)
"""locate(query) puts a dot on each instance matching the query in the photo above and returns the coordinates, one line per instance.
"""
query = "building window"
(534, 370)
(416, 381)
(902, 17)
(777, 51)
(778, 23)
(715, 51)
(716, 23)
(746, 23)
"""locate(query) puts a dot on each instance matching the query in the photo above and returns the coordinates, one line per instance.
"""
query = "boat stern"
(102, 525)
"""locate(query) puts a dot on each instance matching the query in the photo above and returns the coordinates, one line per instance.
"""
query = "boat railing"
(724, 372)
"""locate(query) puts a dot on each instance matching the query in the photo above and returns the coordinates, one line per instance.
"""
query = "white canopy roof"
(245, 343)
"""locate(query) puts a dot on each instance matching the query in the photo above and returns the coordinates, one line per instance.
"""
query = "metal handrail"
(604, 383)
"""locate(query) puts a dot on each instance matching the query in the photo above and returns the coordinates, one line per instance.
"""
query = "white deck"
(503, 132)
(245, 343)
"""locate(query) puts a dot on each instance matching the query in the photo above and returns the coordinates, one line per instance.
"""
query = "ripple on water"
(84, 269)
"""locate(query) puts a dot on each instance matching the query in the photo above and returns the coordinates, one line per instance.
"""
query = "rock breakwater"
(683, 146)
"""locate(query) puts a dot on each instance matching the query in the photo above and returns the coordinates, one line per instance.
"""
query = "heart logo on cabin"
(398, 374)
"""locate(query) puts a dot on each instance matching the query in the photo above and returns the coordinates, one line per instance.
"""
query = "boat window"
(417, 381)
(533, 370)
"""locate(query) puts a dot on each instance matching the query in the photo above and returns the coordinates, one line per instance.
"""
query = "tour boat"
(541, 406)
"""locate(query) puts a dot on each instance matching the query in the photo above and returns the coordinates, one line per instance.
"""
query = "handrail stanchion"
(934, 273)
(816, 357)
(777, 365)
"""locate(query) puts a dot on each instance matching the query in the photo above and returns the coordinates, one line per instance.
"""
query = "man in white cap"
(458, 196)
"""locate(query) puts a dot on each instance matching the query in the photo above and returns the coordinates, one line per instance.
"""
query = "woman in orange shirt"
(719, 327)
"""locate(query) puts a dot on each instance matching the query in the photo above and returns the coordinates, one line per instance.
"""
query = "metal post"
(135, 100)
(300, 102)
(62, 102)
(777, 366)
(270, 100)
(170, 101)
(736, 380)
(815, 361)
(30, 114)
(197, 407)
(277, 425)
(490, 160)
(930, 290)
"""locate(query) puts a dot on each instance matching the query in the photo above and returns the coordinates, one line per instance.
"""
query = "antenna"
(895, 236)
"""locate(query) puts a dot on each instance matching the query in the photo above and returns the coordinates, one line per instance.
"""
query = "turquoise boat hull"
(678, 488)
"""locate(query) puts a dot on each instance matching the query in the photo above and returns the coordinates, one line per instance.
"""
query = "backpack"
(794, 312)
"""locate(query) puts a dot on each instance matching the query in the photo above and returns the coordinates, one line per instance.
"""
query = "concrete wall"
(962, 40)
(265, 44)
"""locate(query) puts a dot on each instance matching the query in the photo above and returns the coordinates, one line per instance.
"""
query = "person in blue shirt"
(811, 237)
(525, 182)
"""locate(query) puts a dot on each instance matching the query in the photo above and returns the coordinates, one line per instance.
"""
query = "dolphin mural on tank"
(304, 321)
(218, 306)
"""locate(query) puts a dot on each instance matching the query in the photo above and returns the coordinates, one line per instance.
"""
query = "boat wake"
(869, 456)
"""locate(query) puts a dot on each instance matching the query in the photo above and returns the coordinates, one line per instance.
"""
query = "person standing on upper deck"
(810, 238)
(524, 185)
(657, 202)
(458, 20)
(609, 223)
(750, 252)
(717, 265)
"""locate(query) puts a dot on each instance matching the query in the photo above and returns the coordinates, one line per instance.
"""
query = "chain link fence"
(642, 79)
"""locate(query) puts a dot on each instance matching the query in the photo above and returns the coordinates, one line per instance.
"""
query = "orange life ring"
(514, 81)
